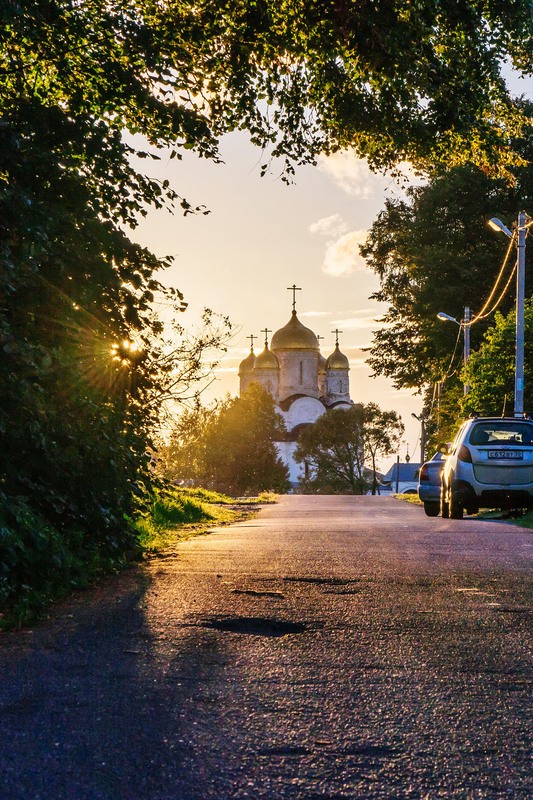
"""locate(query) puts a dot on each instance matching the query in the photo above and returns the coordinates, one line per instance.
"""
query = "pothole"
(255, 626)
(257, 593)
(323, 581)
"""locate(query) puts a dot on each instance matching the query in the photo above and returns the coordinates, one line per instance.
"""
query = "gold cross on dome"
(336, 332)
(266, 331)
(251, 337)
(294, 289)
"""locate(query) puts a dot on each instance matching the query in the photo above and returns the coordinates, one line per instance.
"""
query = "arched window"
(301, 372)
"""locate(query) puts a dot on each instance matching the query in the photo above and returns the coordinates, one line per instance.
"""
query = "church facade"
(303, 383)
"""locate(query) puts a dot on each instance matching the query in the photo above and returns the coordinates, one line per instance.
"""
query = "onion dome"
(247, 365)
(294, 336)
(266, 360)
(322, 368)
(337, 360)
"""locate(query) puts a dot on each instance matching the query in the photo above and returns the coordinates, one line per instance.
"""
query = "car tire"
(456, 506)
(431, 508)
(444, 507)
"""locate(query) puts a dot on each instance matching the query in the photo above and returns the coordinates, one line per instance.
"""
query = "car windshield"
(498, 433)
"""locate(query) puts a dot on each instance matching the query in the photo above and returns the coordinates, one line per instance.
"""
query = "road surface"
(331, 648)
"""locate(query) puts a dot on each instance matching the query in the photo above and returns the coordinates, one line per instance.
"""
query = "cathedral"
(302, 382)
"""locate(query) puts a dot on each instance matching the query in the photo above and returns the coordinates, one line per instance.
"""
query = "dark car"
(429, 479)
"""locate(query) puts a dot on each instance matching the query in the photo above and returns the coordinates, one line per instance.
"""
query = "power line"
(481, 314)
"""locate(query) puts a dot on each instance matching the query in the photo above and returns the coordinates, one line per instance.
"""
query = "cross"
(294, 289)
(251, 337)
(336, 332)
(266, 331)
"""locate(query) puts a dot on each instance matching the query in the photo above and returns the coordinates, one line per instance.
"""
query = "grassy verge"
(176, 514)
(524, 519)
(409, 498)
(40, 565)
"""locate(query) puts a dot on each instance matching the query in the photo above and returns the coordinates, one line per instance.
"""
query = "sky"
(262, 236)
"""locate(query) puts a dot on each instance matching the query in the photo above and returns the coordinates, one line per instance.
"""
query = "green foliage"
(490, 369)
(434, 252)
(171, 514)
(77, 412)
(40, 564)
(228, 447)
(337, 446)
(381, 436)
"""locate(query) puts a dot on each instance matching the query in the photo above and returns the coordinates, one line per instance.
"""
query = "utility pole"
(520, 296)
(466, 337)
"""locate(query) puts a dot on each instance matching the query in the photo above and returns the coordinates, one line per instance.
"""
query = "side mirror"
(444, 448)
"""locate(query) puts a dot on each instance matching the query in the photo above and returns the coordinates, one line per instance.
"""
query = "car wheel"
(444, 507)
(456, 506)
(431, 508)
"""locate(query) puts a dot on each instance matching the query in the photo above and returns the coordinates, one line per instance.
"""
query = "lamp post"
(465, 325)
(521, 227)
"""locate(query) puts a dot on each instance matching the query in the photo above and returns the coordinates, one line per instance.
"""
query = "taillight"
(424, 473)
(463, 454)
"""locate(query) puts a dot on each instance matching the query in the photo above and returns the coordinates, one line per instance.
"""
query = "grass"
(39, 566)
(409, 498)
(524, 519)
(175, 514)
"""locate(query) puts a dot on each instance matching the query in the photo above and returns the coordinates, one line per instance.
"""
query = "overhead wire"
(481, 314)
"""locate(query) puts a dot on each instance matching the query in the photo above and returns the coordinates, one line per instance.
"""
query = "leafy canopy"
(341, 444)
(490, 370)
(230, 446)
(393, 80)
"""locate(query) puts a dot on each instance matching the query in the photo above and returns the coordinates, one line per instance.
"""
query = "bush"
(40, 564)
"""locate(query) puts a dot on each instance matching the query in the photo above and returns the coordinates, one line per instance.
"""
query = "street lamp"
(521, 227)
(465, 325)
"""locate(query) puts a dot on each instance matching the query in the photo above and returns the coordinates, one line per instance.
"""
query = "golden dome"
(266, 360)
(246, 366)
(294, 336)
(337, 360)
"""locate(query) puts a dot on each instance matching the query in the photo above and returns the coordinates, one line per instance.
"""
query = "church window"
(301, 372)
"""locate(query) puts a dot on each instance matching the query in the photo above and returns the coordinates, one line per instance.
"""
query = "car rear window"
(502, 433)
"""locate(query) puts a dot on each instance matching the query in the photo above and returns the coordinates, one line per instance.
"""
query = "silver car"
(490, 465)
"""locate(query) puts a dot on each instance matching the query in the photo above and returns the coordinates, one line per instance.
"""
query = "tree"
(382, 435)
(393, 81)
(78, 413)
(230, 446)
(434, 252)
(339, 443)
(182, 459)
(490, 370)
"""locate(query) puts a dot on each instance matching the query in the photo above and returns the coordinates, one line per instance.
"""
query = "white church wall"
(303, 410)
(298, 372)
(286, 453)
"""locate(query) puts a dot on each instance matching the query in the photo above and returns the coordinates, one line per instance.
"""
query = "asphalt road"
(332, 647)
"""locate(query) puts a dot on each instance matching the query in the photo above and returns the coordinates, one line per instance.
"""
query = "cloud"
(351, 174)
(362, 320)
(342, 256)
(329, 226)
(315, 314)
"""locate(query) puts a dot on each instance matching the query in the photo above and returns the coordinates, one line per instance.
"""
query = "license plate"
(505, 454)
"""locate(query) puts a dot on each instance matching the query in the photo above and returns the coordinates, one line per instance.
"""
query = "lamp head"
(446, 317)
(497, 225)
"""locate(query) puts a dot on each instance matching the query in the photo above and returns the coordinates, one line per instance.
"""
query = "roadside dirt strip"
(332, 648)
